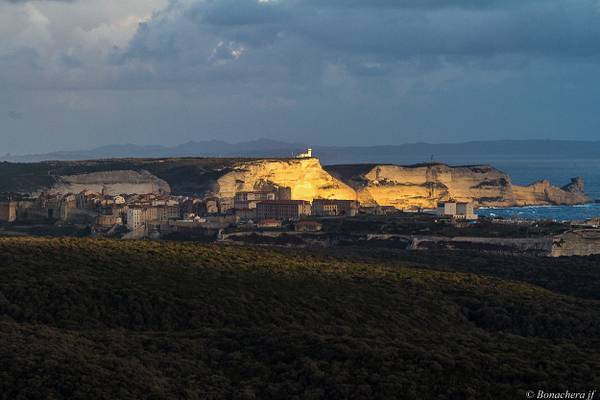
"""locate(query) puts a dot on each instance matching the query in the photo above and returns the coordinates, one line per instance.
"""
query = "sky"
(76, 74)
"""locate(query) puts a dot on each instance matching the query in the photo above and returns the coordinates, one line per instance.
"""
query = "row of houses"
(266, 212)
(163, 212)
(295, 209)
(94, 208)
(47, 207)
(137, 216)
(135, 210)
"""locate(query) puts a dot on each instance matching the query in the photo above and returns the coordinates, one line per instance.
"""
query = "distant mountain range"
(467, 152)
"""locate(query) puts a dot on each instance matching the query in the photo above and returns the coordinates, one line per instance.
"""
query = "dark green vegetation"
(33, 229)
(574, 276)
(426, 224)
(22, 177)
(102, 319)
(184, 175)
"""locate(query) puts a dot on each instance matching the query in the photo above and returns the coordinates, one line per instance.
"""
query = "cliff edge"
(425, 185)
(305, 177)
(403, 187)
(111, 182)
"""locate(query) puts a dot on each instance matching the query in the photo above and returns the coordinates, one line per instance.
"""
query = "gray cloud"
(421, 4)
(29, 1)
(70, 61)
(337, 70)
(16, 115)
(380, 32)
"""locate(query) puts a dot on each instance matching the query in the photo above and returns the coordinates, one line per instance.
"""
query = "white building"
(308, 154)
(135, 218)
(457, 210)
(118, 199)
(325, 207)
(248, 200)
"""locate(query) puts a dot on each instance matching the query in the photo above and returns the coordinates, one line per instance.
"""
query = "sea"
(559, 173)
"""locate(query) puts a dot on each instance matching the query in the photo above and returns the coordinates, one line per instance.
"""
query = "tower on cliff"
(308, 154)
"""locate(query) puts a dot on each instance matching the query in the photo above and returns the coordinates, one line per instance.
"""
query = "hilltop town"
(283, 201)
(143, 214)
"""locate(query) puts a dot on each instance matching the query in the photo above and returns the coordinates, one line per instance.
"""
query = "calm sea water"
(554, 213)
(559, 173)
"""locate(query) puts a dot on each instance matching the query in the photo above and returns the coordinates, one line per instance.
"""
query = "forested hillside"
(99, 319)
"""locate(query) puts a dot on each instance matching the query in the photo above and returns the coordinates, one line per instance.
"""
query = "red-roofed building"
(269, 223)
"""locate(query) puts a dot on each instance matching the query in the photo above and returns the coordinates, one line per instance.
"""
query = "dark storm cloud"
(384, 31)
(236, 13)
(421, 4)
(337, 71)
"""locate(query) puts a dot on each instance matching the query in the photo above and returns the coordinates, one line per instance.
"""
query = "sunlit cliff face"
(393, 185)
(424, 186)
(403, 187)
(305, 177)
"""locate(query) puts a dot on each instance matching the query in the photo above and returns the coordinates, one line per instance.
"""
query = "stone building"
(24, 208)
(55, 208)
(108, 220)
(211, 206)
(69, 200)
(193, 206)
(87, 199)
(324, 207)
(112, 200)
(457, 210)
(225, 204)
(282, 210)
(248, 200)
(137, 216)
(112, 215)
(8, 211)
(165, 213)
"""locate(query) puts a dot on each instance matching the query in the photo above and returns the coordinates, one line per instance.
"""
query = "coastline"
(545, 212)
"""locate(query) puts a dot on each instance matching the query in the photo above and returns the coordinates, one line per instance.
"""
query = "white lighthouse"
(308, 154)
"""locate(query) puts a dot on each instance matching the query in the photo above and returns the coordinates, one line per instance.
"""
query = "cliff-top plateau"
(403, 187)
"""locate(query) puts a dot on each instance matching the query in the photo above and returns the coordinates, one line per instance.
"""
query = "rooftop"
(284, 202)
(332, 201)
